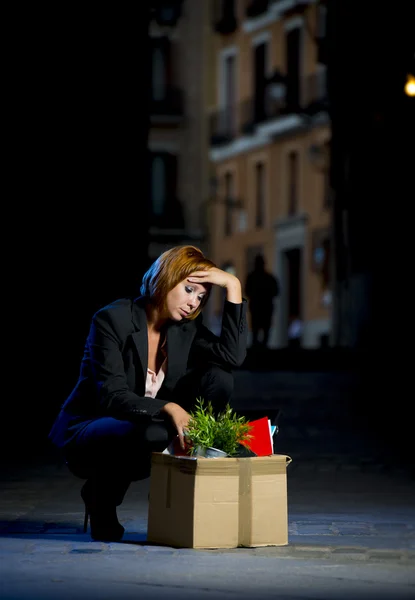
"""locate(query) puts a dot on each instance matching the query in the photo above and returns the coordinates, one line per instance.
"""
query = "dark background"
(76, 201)
(75, 226)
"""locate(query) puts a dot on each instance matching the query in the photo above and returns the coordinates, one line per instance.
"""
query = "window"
(224, 17)
(321, 82)
(159, 75)
(228, 9)
(259, 195)
(321, 34)
(166, 209)
(321, 21)
(293, 67)
(229, 99)
(229, 200)
(326, 189)
(158, 185)
(326, 178)
(292, 183)
(160, 68)
(224, 10)
(259, 81)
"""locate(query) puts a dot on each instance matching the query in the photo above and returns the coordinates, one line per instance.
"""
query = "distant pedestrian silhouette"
(261, 287)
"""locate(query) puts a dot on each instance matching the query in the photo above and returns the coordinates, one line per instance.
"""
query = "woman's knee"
(158, 434)
(119, 447)
(211, 382)
(217, 386)
(220, 379)
(111, 440)
(105, 431)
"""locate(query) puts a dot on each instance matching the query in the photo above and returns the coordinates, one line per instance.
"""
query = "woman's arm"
(223, 279)
(229, 348)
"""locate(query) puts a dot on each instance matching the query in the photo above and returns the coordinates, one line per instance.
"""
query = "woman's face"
(184, 299)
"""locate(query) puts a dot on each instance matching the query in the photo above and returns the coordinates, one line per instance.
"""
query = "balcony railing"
(231, 122)
(224, 17)
(169, 104)
(290, 6)
(322, 50)
(254, 111)
(256, 7)
(225, 25)
(315, 97)
(172, 216)
(166, 12)
(224, 126)
(228, 124)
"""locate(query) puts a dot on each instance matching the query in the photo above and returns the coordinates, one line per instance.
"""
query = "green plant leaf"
(225, 432)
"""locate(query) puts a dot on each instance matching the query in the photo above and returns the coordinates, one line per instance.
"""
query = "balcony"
(290, 7)
(228, 124)
(224, 20)
(282, 97)
(166, 13)
(225, 25)
(254, 112)
(170, 219)
(322, 50)
(315, 96)
(223, 126)
(255, 8)
(168, 107)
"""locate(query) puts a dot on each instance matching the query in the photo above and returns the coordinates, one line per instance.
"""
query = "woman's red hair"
(169, 269)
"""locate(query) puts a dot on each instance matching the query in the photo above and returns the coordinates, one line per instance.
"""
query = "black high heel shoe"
(105, 526)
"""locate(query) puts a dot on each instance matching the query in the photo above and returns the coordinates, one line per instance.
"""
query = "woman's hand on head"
(179, 417)
(221, 278)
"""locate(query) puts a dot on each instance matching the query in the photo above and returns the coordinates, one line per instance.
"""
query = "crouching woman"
(146, 361)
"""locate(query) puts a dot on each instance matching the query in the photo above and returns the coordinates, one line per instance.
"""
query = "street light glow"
(410, 86)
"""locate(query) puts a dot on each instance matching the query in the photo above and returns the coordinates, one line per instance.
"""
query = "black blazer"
(114, 366)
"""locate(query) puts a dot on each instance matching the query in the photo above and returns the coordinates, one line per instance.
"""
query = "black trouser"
(112, 452)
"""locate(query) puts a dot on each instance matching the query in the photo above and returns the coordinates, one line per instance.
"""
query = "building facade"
(178, 131)
(269, 135)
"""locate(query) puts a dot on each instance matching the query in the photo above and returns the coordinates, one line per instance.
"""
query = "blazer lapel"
(140, 337)
(179, 340)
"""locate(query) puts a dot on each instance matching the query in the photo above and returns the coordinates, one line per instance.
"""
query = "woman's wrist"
(234, 291)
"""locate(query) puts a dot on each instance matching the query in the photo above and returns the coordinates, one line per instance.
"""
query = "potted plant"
(213, 436)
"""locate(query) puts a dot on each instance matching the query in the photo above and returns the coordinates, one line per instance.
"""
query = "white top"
(154, 380)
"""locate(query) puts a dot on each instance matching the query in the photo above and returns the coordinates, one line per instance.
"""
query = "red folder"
(260, 441)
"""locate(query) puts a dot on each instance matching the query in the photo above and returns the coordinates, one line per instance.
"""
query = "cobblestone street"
(351, 518)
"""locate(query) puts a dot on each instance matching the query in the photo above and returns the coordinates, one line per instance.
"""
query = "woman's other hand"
(221, 278)
(179, 417)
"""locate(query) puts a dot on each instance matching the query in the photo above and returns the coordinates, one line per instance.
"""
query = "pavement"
(351, 517)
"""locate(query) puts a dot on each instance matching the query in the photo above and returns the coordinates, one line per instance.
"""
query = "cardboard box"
(218, 502)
